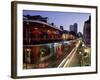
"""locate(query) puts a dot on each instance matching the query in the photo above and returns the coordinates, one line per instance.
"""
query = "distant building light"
(27, 49)
(35, 28)
(48, 30)
(27, 23)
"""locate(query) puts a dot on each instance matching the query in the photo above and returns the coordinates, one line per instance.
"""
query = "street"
(77, 54)
(75, 58)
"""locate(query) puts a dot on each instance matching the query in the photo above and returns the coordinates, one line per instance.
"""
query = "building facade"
(73, 28)
(87, 31)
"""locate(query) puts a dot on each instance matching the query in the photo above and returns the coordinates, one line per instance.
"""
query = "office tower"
(87, 31)
(73, 28)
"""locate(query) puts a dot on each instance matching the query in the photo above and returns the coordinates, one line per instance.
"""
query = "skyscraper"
(87, 31)
(73, 28)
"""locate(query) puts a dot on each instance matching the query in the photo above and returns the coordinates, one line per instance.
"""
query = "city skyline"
(64, 19)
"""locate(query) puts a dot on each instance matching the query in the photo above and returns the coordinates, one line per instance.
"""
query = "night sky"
(64, 19)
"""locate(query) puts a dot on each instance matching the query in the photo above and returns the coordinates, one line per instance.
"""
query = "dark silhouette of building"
(73, 28)
(80, 35)
(87, 31)
(36, 17)
(72, 33)
(61, 27)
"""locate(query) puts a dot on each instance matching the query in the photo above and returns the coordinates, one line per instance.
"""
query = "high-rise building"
(73, 28)
(87, 31)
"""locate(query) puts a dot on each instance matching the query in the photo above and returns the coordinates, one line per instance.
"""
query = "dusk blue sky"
(64, 19)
